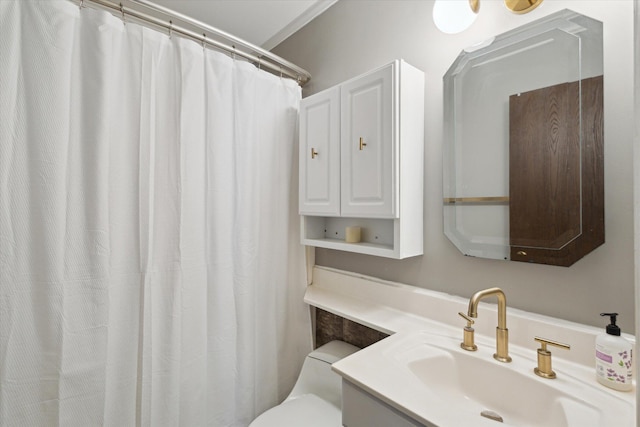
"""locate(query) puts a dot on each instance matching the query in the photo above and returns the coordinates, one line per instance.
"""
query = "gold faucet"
(502, 333)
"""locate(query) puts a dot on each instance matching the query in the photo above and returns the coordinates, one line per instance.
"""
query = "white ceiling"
(264, 23)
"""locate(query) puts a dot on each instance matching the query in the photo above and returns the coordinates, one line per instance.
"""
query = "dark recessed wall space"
(331, 327)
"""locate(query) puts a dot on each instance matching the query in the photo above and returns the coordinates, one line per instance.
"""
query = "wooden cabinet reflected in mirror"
(556, 184)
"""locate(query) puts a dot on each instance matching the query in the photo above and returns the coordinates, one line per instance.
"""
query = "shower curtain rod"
(260, 57)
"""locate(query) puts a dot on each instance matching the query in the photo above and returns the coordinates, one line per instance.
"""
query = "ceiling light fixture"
(455, 16)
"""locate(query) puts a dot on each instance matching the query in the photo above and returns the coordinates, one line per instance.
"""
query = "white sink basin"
(430, 378)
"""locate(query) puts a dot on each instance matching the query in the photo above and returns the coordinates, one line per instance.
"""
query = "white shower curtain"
(150, 270)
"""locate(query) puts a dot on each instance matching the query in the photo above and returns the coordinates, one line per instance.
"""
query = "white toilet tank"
(316, 398)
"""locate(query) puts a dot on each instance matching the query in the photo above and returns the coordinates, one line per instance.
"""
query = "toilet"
(316, 398)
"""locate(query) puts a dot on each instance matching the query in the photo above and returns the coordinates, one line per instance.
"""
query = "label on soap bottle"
(614, 366)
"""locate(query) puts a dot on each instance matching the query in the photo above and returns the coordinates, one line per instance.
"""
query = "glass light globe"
(453, 16)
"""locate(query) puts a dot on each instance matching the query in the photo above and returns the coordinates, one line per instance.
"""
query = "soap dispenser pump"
(614, 366)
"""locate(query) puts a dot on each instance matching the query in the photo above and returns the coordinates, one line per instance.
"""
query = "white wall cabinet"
(361, 163)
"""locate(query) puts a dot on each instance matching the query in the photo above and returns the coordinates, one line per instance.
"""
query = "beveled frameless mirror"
(523, 155)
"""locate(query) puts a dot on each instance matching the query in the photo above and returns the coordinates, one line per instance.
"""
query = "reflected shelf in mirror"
(477, 200)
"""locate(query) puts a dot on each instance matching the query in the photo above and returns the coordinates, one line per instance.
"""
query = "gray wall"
(353, 37)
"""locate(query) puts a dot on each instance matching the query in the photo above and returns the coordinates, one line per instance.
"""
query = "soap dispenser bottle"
(614, 366)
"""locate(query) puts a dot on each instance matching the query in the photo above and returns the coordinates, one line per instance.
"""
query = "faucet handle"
(469, 320)
(544, 357)
(468, 334)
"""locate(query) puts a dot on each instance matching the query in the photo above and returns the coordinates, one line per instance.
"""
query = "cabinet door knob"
(314, 153)
(362, 144)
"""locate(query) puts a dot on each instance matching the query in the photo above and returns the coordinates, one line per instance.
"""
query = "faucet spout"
(502, 304)
(502, 333)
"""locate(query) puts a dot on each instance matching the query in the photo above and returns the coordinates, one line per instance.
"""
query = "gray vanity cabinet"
(361, 409)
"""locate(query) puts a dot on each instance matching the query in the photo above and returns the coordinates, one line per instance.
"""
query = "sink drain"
(491, 415)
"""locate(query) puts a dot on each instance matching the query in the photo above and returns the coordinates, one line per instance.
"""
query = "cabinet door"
(320, 154)
(368, 146)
